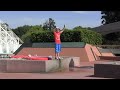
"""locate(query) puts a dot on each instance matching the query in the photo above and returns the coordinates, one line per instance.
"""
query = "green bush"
(26, 37)
(45, 36)
(91, 37)
(81, 35)
(71, 36)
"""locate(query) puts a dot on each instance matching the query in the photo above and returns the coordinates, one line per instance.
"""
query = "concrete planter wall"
(29, 66)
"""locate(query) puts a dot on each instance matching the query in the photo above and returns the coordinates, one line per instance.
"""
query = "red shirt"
(57, 37)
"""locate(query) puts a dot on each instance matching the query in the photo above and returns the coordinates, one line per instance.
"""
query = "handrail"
(109, 46)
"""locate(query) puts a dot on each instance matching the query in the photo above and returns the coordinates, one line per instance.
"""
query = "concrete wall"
(110, 58)
(107, 70)
(37, 66)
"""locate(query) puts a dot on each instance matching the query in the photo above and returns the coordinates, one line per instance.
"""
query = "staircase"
(9, 41)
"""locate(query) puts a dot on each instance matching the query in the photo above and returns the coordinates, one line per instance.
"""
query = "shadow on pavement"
(101, 77)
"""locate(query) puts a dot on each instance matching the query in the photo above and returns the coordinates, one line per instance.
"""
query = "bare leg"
(56, 55)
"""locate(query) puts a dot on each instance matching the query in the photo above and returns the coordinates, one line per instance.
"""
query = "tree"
(35, 28)
(19, 31)
(110, 16)
(49, 25)
(77, 28)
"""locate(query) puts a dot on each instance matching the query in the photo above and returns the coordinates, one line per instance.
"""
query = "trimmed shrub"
(87, 36)
(91, 37)
(46, 36)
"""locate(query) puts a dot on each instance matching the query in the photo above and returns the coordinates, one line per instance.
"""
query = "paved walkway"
(86, 71)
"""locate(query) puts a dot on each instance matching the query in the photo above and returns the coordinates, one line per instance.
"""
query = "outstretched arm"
(62, 29)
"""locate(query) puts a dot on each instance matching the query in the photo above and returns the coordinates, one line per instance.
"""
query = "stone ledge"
(36, 66)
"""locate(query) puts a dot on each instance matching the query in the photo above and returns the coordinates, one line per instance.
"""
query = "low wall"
(107, 54)
(116, 58)
(90, 54)
(36, 66)
(107, 70)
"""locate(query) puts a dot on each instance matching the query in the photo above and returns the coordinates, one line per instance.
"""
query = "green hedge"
(91, 37)
(71, 36)
(86, 36)
(42, 37)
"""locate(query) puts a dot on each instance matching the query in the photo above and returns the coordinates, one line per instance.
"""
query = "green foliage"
(77, 28)
(26, 37)
(45, 36)
(49, 25)
(110, 16)
(78, 35)
(37, 33)
(71, 36)
(91, 37)
(21, 30)
(25, 31)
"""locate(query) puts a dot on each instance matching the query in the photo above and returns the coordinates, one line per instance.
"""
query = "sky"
(71, 19)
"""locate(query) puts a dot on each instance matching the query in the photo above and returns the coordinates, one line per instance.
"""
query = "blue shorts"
(57, 48)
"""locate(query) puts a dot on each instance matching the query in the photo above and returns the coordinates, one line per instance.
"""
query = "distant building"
(108, 28)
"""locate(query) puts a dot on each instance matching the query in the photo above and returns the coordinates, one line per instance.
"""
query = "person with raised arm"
(57, 33)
